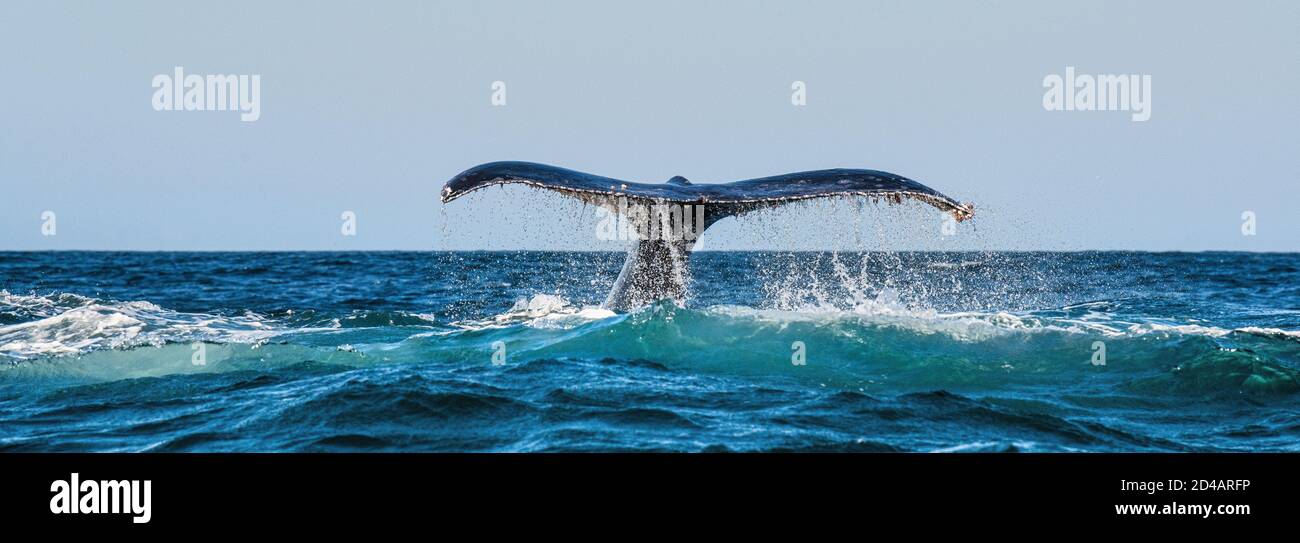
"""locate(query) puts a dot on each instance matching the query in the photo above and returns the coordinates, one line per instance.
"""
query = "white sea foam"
(973, 326)
(1211, 331)
(68, 324)
(541, 311)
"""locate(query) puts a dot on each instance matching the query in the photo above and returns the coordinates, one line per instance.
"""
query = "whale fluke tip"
(964, 212)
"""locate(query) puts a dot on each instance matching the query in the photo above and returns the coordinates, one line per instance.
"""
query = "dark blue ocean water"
(508, 351)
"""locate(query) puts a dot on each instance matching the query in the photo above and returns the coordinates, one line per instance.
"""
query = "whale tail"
(656, 265)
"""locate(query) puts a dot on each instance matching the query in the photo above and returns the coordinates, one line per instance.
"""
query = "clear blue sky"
(371, 106)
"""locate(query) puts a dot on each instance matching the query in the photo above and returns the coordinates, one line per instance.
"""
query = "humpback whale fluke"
(655, 268)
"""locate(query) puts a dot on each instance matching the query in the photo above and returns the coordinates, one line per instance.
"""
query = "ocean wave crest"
(67, 324)
(877, 342)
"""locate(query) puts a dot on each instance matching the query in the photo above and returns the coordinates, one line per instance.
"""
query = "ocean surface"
(510, 351)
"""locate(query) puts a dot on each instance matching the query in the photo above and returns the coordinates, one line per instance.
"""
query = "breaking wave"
(874, 342)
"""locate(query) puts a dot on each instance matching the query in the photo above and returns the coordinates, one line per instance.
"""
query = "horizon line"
(621, 251)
